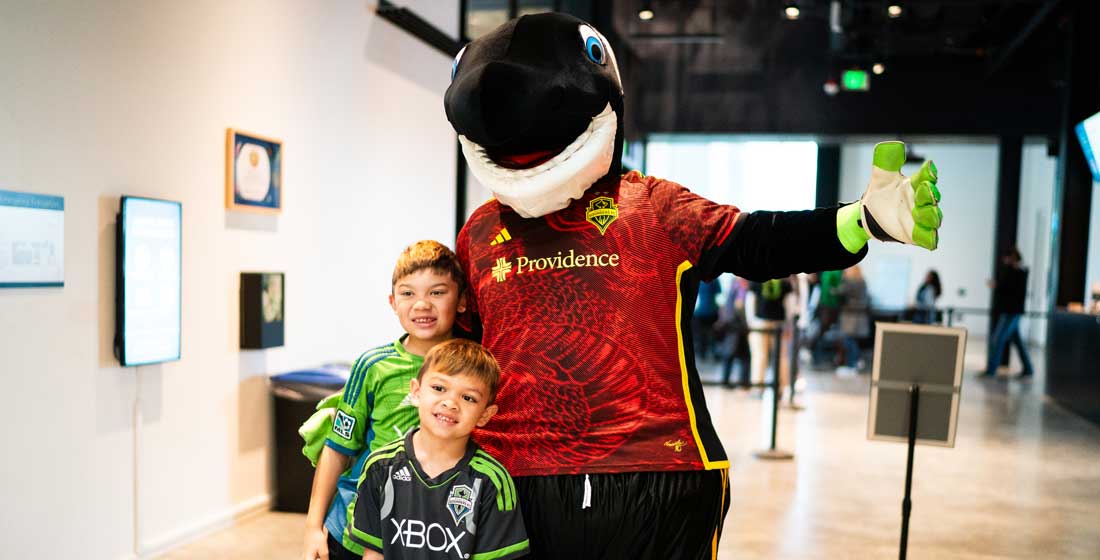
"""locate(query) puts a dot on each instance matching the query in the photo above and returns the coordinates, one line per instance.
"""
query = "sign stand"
(915, 392)
(907, 503)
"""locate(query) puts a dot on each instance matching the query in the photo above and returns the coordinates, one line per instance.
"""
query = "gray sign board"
(926, 355)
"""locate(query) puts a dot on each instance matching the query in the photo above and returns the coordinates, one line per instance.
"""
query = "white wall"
(968, 183)
(100, 99)
(476, 193)
(1037, 174)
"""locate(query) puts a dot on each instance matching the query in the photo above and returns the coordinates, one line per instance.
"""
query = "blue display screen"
(1088, 133)
(150, 276)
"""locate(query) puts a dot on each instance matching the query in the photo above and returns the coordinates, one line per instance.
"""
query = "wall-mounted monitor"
(1088, 133)
(148, 281)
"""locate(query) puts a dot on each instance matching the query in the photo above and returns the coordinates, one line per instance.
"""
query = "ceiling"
(951, 66)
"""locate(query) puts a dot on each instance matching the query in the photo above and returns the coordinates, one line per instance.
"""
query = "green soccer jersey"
(375, 410)
(829, 279)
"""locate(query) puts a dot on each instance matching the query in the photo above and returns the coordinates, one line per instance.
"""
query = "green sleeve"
(352, 418)
(501, 534)
(364, 514)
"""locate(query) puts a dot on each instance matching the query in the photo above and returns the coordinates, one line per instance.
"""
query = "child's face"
(451, 406)
(426, 303)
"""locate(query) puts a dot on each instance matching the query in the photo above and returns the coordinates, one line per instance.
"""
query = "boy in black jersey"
(435, 493)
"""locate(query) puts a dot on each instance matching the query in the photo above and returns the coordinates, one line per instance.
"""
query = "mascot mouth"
(537, 183)
(523, 161)
(543, 140)
(595, 138)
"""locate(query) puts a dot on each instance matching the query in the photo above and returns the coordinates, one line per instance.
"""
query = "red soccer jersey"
(588, 310)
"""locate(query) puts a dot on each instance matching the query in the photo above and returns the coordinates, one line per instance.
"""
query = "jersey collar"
(445, 476)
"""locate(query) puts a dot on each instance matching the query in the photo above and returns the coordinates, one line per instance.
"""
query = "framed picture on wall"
(262, 309)
(253, 172)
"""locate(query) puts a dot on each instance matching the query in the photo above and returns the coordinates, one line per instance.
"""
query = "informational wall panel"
(32, 240)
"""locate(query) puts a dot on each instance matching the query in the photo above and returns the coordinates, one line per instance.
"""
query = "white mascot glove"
(894, 207)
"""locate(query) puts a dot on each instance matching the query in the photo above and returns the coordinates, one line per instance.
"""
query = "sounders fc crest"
(460, 502)
(601, 212)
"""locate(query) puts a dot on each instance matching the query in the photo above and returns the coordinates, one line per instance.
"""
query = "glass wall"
(750, 174)
(482, 16)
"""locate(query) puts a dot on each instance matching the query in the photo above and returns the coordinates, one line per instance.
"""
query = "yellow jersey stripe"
(721, 515)
(707, 463)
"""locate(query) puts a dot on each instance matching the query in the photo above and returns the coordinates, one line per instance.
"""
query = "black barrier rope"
(950, 312)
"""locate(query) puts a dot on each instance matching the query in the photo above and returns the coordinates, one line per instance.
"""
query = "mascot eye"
(454, 65)
(594, 50)
(593, 46)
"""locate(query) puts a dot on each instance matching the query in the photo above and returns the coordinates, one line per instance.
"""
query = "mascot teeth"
(551, 185)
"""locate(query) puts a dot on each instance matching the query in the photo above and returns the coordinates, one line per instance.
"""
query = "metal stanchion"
(772, 453)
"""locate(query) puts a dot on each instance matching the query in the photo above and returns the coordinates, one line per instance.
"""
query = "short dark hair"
(432, 255)
(460, 356)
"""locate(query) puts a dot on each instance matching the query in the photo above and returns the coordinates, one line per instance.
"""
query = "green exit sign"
(855, 80)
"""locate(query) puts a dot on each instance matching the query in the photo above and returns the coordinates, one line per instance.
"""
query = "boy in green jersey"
(428, 290)
(435, 494)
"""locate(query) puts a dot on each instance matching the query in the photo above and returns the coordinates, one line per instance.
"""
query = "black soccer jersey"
(466, 513)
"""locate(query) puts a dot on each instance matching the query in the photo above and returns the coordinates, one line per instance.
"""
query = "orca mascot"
(582, 283)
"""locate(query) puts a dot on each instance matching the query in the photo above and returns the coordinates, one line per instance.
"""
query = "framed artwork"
(262, 309)
(253, 172)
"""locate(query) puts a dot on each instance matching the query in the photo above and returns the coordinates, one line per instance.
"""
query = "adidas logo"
(501, 237)
(402, 475)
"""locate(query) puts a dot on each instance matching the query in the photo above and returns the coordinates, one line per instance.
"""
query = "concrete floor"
(1023, 481)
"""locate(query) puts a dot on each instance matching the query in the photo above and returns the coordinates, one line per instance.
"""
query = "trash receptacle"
(296, 396)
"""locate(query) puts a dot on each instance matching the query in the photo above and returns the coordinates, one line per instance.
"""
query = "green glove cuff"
(848, 229)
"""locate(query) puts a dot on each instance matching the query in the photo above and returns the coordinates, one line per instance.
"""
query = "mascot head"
(537, 104)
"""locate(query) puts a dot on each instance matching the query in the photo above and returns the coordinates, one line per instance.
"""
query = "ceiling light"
(894, 10)
(645, 14)
(791, 12)
(878, 68)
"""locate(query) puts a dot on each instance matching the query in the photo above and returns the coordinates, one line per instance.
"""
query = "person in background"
(1094, 307)
(704, 318)
(927, 294)
(767, 312)
(806, 302)
(828, 310)
(854, 320)
(1009, 293)
(734, 345)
